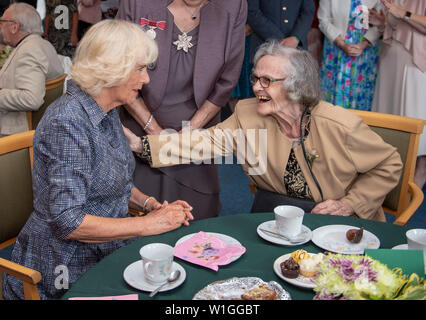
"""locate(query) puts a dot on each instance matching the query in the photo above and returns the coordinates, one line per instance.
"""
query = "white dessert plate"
(306, 234)
(227, 239)
(300, 281)
(333, 238)
(233, 288)
(134, 276)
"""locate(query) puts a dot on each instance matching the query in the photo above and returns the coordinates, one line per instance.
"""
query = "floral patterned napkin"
(208, 251)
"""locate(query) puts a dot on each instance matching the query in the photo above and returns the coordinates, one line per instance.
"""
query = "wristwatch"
(407, 15)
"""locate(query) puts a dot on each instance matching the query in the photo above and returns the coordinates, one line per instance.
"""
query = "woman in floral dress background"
(350, 54)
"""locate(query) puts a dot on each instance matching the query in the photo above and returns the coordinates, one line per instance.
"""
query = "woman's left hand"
(396, 11)
(333, 207)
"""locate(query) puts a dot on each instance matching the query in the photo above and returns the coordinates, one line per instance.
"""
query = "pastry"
(290, 268)
(299, 255)
(309, 267)
(261, 292)
(355, 235)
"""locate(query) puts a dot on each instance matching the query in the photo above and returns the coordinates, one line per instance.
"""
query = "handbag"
(266, 201)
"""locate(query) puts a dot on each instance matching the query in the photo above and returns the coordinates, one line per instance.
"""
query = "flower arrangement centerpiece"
(358, 277)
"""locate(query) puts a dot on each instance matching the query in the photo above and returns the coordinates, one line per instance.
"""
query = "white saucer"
(306, 234)
(134, 276)
(333, 238)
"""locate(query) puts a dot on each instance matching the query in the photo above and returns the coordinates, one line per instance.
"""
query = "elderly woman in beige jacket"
(291, 143)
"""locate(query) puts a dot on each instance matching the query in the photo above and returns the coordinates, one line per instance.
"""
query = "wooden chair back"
(404, 134)
(54, 89)
(16, 199)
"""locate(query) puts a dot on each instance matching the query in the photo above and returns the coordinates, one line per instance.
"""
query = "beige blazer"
(333, 17)
(354, 164)
(22, 81)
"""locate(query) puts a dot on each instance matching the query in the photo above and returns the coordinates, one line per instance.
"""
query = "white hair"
(27, 16)
(302, 83)
(108, 53)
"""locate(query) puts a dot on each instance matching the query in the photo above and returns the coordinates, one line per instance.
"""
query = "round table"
(106, 277)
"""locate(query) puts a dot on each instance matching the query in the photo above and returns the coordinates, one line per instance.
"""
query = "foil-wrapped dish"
(248, 288)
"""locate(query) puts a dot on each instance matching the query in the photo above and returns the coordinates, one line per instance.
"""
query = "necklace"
(184, 41)
(196, 11)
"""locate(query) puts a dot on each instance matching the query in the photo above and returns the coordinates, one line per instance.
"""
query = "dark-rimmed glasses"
(4, 20)
(265, 82)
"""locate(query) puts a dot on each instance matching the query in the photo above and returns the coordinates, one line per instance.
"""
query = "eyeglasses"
(3, 21)
(264, 81)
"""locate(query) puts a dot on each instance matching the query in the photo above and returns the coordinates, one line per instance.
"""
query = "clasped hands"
(168, 216)
(333, 207)
(351, 49)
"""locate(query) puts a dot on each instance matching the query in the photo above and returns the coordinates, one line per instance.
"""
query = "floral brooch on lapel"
(312, 156)
(150, 26)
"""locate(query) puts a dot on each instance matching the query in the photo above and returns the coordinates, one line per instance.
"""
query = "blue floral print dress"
(349, 81)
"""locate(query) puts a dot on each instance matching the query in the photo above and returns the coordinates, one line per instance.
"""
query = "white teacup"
(288, 220)
(157, 260)
(416, 240)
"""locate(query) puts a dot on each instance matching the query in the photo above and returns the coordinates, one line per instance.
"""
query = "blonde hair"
(108, 53)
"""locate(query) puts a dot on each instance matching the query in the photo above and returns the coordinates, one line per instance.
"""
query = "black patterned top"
(294, 180)
(145, 155)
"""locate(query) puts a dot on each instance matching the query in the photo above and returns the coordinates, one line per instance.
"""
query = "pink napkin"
(208, 251)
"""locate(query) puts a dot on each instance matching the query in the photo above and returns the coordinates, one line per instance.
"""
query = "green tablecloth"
(106, 278)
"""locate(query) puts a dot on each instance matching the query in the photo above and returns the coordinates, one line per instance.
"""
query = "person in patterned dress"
(350, 54)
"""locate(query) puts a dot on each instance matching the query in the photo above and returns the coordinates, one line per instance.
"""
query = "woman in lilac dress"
(201, 50)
